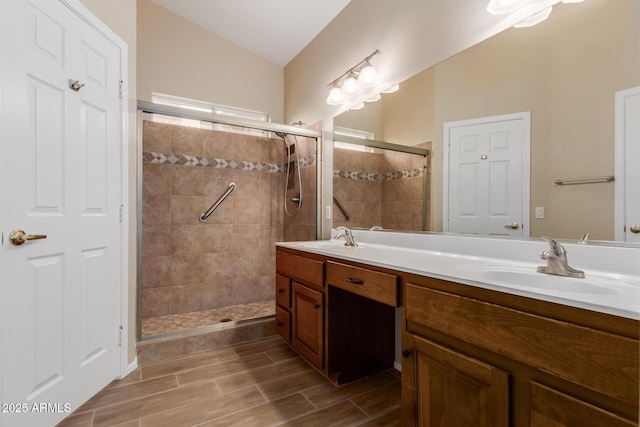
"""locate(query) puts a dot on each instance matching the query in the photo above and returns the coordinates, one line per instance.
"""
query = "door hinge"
(121, 214)
(120, 336)
(120, 89)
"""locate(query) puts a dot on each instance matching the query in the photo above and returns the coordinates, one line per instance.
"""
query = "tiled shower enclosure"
(189, 266)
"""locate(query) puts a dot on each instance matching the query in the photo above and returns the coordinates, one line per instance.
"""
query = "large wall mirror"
(565, 71)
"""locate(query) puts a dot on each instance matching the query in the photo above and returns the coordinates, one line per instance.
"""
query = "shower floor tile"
(178, 322)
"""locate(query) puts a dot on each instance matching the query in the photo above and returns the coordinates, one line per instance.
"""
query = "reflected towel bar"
(584, 180)
(213, 207)
(342, 208)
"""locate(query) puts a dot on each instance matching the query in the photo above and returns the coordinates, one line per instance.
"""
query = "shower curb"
(197, 340)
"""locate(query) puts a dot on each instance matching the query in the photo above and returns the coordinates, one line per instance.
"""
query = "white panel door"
(627, 170)
(487, 176)
(60, 176)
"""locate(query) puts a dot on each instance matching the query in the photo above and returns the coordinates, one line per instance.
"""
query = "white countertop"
(611, 285)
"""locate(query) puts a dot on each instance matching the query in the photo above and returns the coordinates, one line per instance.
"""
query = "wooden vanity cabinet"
(481, 358)
(340, 316)
(308, 323)
(283, 306)
(300, 304)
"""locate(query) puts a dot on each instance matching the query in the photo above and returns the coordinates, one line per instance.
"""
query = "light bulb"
(368, 75)
(350, 86)
(335, 96)
(572, 1)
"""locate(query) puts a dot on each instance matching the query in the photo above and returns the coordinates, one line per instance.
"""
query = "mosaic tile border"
(378, 177)
(214, 162)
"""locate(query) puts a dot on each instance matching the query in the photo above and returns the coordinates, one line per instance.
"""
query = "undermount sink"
(525, 278)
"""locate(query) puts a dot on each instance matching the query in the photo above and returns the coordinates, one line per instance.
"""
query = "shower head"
(281, 135)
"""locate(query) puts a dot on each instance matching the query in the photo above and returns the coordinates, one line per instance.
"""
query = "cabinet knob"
(406, 353)
(280, 291)
(316, 306)
(280, 324)
(354, 281)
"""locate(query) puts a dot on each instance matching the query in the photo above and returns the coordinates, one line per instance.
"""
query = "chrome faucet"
(557, 261)
(347, 235)
(584, 239)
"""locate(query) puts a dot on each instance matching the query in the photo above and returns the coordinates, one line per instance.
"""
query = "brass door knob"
(513, 226)
(635, 228)
(18, 237)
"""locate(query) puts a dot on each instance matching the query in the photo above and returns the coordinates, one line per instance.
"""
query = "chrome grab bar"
(342, 208)
(584, 180)
(213, 207)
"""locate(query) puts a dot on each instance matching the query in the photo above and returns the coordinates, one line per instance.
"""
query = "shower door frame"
(148, 107)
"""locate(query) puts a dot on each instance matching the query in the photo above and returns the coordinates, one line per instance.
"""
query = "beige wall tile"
(187, 141)
(156, 209)
(219, 145)
(187, 269)
(156, 137)
(156, 271)
(186, 298)
(187, 180)
(156, 179)
(187, 239)
(217, 238)
(186, 210)
(156, 240)
(157, 301)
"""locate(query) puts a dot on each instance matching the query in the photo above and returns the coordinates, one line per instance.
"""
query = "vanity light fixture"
(351, 82)
(350, 85)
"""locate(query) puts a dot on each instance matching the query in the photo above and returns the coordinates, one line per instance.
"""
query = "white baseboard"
(130, 368)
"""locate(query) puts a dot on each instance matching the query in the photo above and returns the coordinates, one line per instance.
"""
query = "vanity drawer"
(300, 268)
(598, 360)
(283, 291)
(283, 323)
(375, 285)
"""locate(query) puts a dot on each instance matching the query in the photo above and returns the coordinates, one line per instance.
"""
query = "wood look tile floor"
(261, 383)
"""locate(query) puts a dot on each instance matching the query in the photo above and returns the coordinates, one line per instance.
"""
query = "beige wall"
(407, 115)
(411, 38)
(120, 16)
(176, 57)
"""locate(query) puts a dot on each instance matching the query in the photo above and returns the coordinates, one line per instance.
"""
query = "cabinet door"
(283, 291)
(552, 408)
(307, 323)
(283, 323)
(452, 389)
